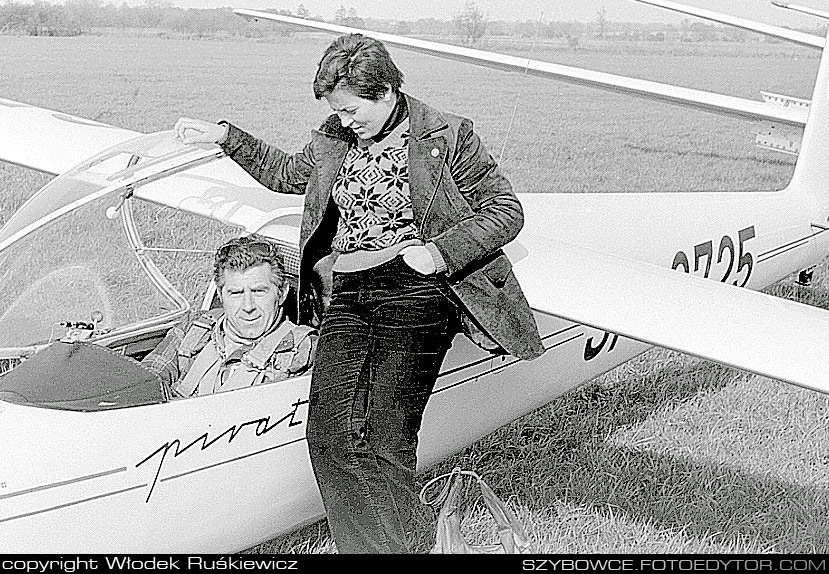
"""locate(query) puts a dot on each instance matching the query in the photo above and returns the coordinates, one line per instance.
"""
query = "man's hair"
(360, 63)
(245, 252)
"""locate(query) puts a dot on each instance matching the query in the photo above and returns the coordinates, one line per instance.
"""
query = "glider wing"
(40, 139)
(708, 101)
(745, 329)
(794, 36)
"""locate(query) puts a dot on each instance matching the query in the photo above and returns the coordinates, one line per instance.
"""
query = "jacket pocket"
(498, 270)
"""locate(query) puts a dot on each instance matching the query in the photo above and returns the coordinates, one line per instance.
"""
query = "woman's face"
(365, 117)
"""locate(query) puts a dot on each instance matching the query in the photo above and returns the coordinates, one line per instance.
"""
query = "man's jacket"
(285, 352)
(461, 203)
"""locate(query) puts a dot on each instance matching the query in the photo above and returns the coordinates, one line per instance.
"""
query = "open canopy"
(67, 256)
(74, 251)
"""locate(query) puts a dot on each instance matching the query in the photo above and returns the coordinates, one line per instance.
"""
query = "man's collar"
(220, 332)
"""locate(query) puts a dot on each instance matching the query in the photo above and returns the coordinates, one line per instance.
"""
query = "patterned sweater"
(372, 194)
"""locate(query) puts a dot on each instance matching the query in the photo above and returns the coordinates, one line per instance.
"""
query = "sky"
(560, 10)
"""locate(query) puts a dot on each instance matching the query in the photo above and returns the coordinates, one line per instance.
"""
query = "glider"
(90, 444)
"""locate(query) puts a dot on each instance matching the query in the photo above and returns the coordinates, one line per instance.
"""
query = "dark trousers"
(382, 341)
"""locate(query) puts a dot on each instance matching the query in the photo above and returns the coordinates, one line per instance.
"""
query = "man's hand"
(192, 131)
(418, 258)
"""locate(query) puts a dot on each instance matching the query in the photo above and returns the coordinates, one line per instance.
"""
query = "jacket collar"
(424, 120)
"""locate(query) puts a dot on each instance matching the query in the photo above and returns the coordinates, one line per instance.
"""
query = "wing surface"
(803, 9)
(708, 101)
(801, 38)
(51, 141)
(737, 327)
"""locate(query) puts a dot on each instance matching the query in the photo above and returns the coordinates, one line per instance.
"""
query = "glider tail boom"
(811, 174)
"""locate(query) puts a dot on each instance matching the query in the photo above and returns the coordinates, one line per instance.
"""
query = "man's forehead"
(252, 276)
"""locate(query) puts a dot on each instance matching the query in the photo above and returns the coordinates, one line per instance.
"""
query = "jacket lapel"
(330, 151)
(428, 146)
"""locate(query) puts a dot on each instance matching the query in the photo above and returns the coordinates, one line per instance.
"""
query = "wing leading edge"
(803, 39)
(708, 101)
(38, 137)
(802, 9)
(737, 327)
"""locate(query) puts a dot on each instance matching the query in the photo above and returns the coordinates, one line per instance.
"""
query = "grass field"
(666, 453)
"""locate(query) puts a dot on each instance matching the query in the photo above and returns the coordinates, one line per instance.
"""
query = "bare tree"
(601, 21)
(302, 11)
(470, 23)
(348, 17)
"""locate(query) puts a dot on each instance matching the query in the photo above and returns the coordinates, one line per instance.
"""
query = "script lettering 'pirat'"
(262, 427)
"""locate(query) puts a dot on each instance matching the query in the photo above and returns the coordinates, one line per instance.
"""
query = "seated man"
(246, 342)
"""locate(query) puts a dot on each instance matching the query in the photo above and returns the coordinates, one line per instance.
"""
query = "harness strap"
(303, 355)
(269, 358)
(199, 332)
(196, 338)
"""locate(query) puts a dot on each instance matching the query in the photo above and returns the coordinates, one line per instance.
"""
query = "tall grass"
(666, 453)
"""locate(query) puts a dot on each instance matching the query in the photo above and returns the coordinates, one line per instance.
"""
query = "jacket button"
(435, 152)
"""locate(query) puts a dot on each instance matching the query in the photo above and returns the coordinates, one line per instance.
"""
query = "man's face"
(251, 301)
(365, 117)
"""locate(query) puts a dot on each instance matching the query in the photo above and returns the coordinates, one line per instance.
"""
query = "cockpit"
(106, 258)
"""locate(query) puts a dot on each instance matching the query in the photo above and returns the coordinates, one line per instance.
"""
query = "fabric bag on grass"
(449, 540)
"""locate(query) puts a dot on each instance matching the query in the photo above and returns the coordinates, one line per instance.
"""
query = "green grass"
(666, 453)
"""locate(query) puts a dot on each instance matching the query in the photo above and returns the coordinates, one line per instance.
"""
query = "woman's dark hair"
(360, 63)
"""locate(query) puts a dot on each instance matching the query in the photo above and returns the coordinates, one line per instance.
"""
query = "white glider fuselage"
(227, 471)
(224, 472)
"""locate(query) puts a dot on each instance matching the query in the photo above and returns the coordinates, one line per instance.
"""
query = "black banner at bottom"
(605, 563)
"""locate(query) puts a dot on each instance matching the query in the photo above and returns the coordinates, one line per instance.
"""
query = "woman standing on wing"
(405, 216)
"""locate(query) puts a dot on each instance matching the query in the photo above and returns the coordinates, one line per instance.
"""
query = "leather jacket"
(461, 203)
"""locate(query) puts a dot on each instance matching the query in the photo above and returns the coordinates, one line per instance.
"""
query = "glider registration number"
(738, 258)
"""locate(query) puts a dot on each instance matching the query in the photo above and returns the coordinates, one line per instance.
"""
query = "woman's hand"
(192, 131)
(418, 258)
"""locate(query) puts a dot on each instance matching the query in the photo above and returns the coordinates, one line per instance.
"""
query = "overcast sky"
(617, 10)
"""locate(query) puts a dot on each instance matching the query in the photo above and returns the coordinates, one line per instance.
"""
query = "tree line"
(76, 17)
(469, 25)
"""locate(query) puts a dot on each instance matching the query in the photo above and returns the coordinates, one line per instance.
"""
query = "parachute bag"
(448, 538)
